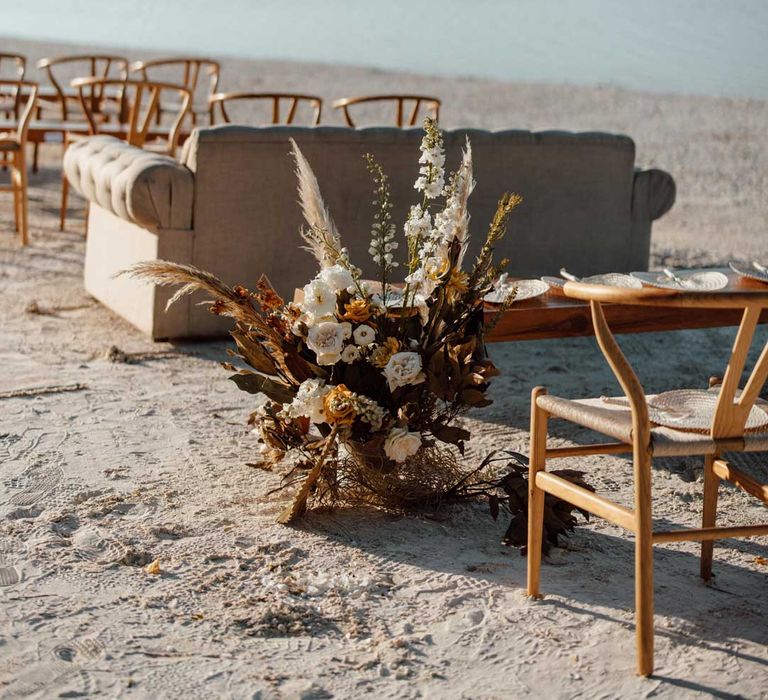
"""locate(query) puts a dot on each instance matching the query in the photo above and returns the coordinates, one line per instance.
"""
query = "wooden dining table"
(553, 315)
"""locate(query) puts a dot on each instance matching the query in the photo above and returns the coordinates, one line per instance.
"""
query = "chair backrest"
(186, 71)
(734, 404)
(409, 109)
(12, 66)
(142, 101)
(220, 100)
(24, 94)
(99, 66)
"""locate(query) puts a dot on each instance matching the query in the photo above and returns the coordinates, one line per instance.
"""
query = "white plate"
(526, 289)
(749, 271)
(693, 280)
(609, 279)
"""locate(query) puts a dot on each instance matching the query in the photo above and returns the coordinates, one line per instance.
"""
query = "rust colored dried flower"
(339, 406)
(458, 284)
(381, 354)
(357, 311)
(241, 291)
(218, 307)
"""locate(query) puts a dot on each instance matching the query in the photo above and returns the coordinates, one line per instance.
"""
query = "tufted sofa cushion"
(149, 189)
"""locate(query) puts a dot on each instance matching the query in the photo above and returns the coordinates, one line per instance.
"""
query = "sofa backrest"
(577, 190)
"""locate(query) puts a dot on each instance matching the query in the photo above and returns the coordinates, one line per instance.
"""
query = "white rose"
(350, 353)
(364, 335)
(403, 368)
(401, 444)
(326, 340)
(337, 277)
(319, 299)
(308, 401)
(346, 328)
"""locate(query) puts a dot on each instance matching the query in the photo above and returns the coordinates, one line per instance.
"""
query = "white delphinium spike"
(431, 178)
(316, 214)
(464, 186)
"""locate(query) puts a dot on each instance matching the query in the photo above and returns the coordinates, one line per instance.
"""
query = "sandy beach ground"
(147, 460)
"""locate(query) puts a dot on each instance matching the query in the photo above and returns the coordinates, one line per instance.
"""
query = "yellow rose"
(357, 311)
(381, 354)
(339, 405)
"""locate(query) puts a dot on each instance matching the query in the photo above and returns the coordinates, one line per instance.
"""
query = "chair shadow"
(578, 572)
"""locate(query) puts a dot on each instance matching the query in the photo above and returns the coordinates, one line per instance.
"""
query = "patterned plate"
(526, 289)
(749, 272)
(610, 279)
(692, 280)
(692, 409)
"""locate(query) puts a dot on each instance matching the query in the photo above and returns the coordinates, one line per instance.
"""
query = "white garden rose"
(364, 335)
(319, 299)
(346, 329)
(401, 443)
(337, 277)
(350, 353)
(308, 401)
(403, 368)
(326, 340)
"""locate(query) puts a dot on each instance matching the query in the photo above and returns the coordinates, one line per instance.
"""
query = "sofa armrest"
(149, 189)
(653, 194)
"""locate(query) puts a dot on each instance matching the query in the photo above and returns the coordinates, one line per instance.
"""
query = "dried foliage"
(509, 491)
(358, 364)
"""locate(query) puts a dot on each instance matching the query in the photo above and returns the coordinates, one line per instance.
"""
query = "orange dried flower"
(458, 284)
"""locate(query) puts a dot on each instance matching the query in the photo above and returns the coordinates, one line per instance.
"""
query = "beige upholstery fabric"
(585, 206)
(145, 188)
(616, 421)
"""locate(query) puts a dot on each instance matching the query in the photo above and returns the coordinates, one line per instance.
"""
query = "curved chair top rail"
(140, 116)
(728, 298)
(191, 67)
(432, 103)
(221, 98)
(19, 88)
(75, 58)
(94, 66)
(18, 60)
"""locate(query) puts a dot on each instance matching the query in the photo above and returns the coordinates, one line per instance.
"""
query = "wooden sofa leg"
(537, 462)
(643, 563)
(709, 515)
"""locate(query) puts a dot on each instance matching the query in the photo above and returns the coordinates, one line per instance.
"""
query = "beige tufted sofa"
(228, 205)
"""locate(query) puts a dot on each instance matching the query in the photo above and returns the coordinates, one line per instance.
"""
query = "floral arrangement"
(365, 379)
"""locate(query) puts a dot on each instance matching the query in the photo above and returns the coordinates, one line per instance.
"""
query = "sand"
(145, 459)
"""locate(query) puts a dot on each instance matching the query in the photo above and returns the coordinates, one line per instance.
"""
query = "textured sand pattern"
(147, 462)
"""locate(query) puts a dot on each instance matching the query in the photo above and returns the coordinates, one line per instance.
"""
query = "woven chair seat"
(8, 142)
(613, 417)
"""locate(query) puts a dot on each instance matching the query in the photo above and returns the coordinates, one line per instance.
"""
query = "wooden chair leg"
(64, 197)
(16, 187)
(709, 515)
(537, 463)
(21, 165)
(643, 562)
(35, 148)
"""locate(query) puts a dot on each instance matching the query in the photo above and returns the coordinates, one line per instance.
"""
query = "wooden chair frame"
(97, 67)
(93, 66)
(20, 63)
(221, 98)
(137, 124)
(432, 104)
(192, 68)
(18, 166)
(727, 433)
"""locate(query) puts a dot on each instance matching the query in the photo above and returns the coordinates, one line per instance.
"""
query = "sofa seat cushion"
(145, 188)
